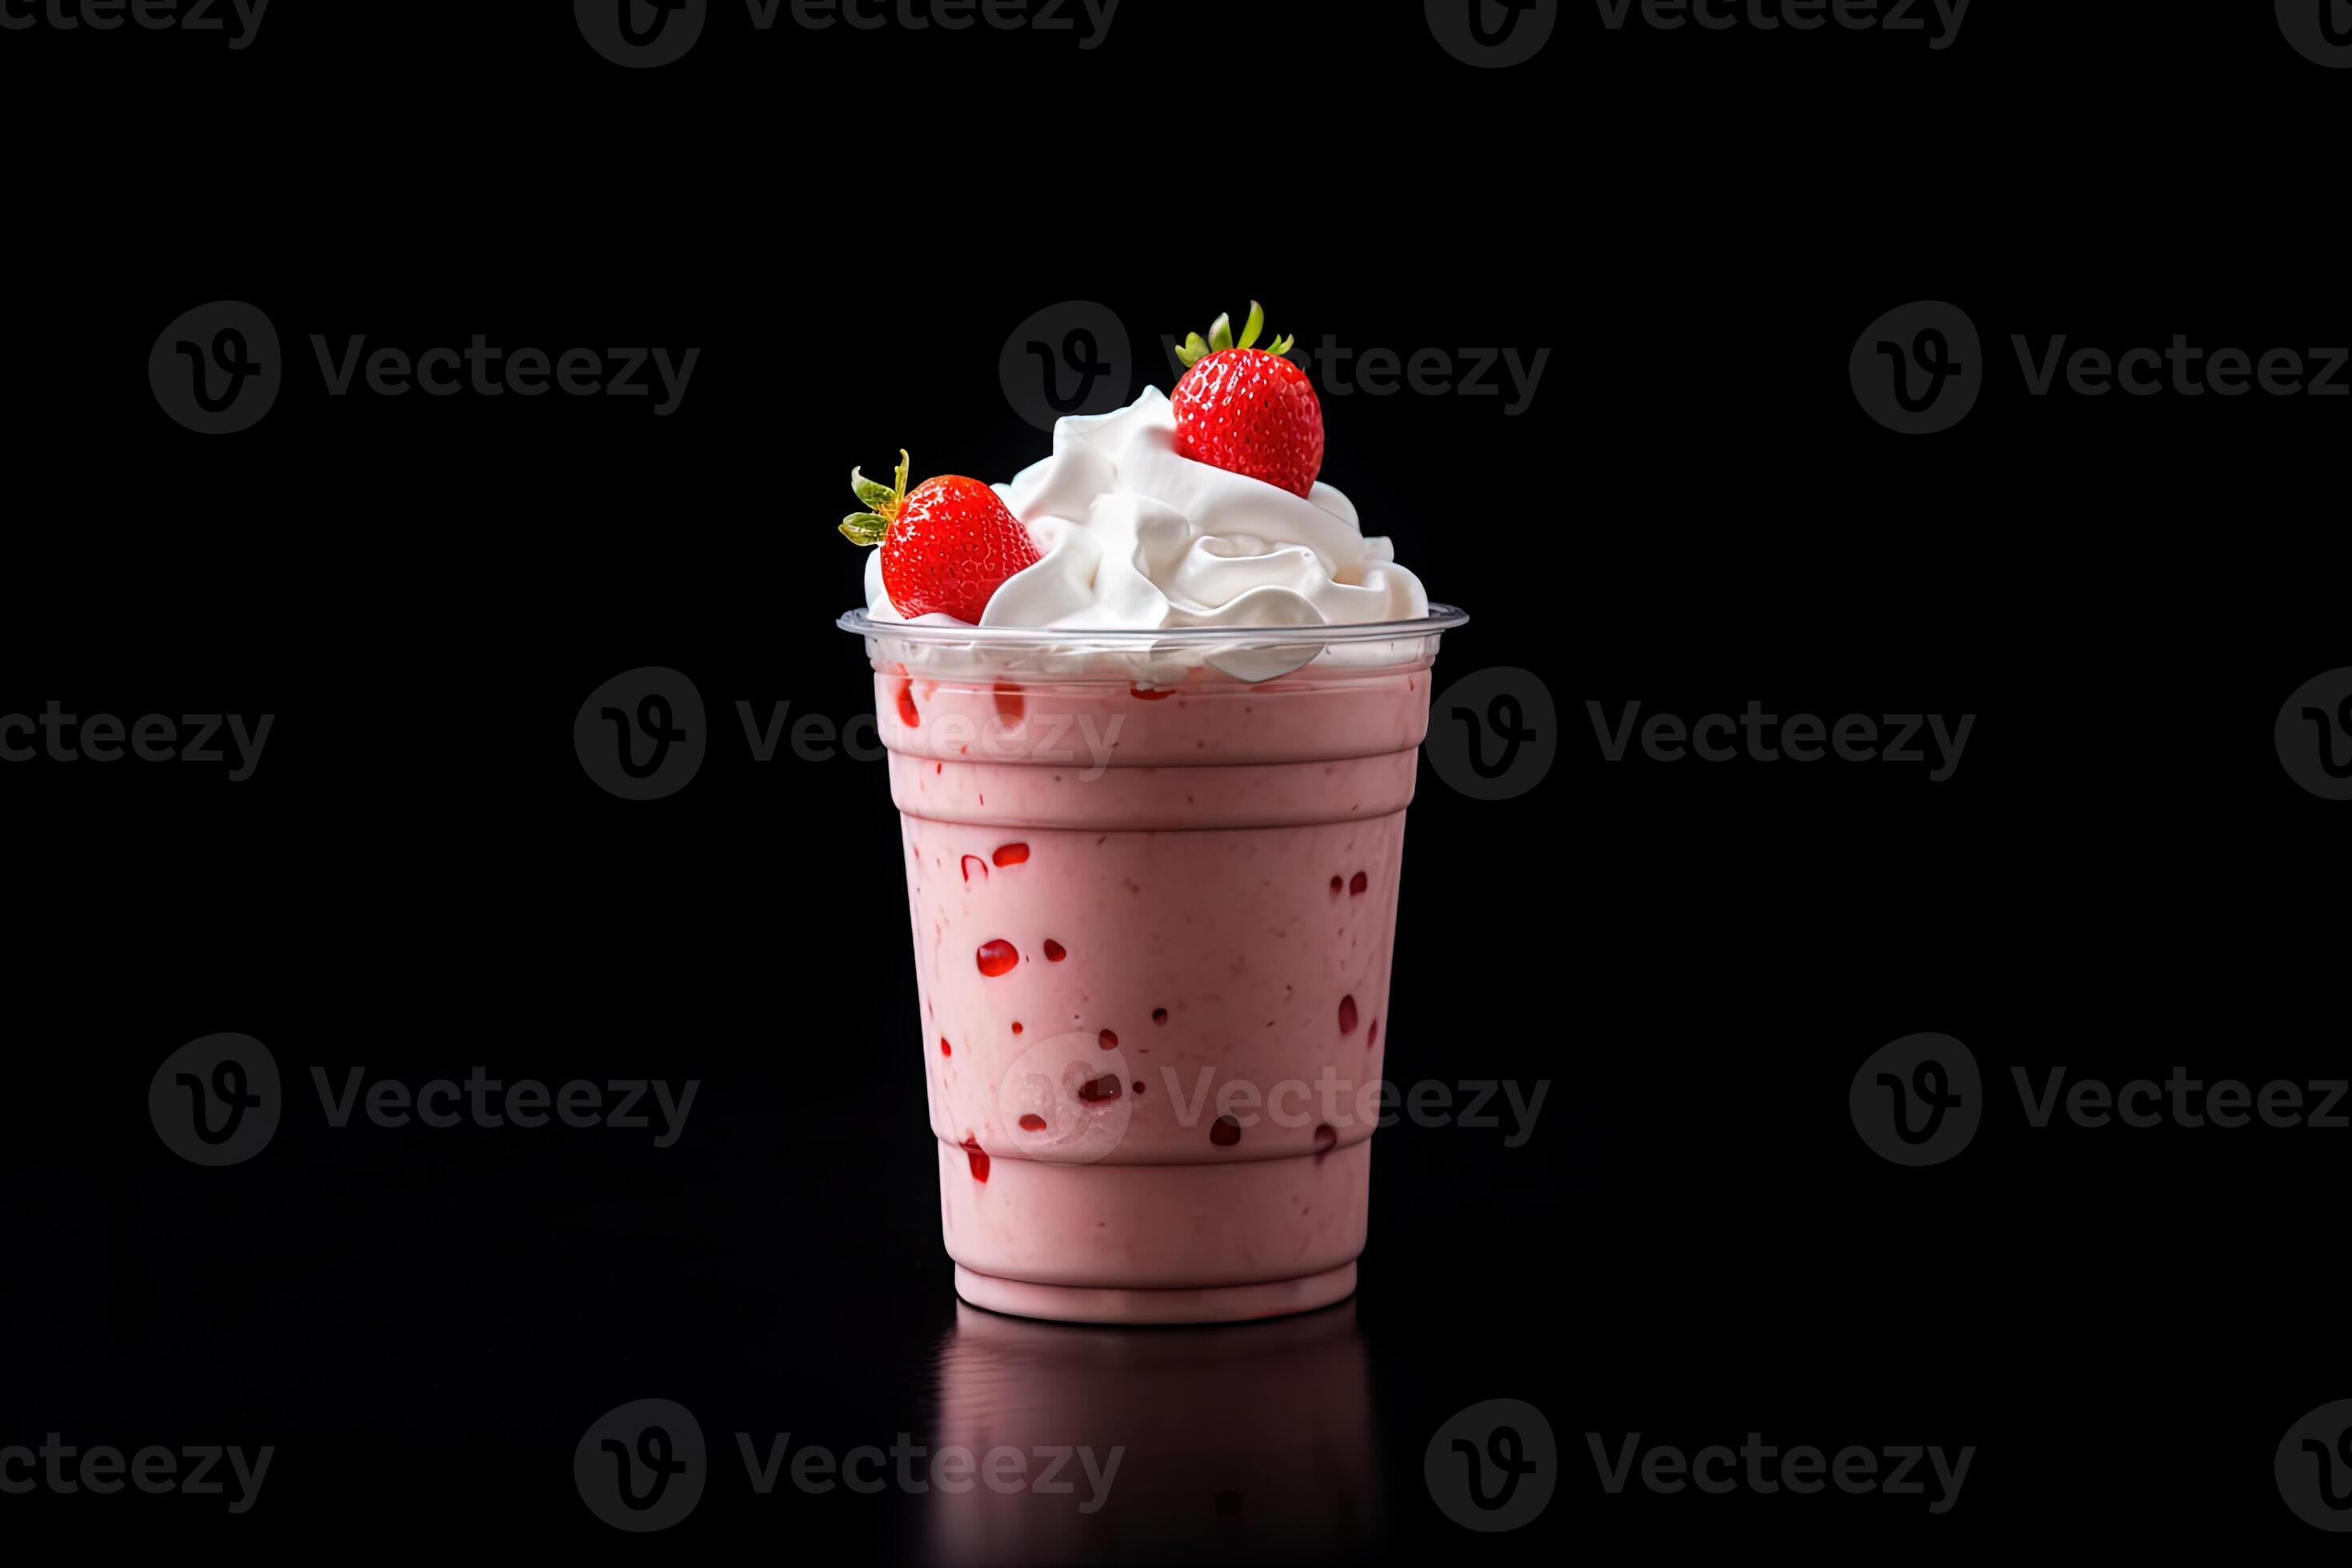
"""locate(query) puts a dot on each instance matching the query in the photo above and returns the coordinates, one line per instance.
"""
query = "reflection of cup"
(1236, 1444)
(1154, 907)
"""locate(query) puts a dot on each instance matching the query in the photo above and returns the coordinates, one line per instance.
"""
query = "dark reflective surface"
(1255, 1439)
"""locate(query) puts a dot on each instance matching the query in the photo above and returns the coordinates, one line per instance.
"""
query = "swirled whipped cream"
(1137, 537)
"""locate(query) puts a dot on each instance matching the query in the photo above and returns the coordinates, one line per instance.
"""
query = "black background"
(1693, 512)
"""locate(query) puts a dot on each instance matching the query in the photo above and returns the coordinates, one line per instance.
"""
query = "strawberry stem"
(1221, 337)
(872, 526)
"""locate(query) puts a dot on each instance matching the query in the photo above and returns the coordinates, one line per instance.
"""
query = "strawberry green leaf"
(1281, 346)
(880, 497)
(1220, 333)
(865, 528)
(1255, 325)
(1193, 352)
(900, 483)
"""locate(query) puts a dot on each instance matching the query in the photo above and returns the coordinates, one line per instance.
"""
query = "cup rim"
(1441, 618)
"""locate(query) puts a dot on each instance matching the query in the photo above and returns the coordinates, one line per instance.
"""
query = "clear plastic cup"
(1153, 879)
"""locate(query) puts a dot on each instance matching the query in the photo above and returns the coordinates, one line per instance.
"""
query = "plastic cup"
(1152, 880)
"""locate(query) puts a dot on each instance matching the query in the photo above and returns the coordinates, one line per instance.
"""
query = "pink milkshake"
(1152, 933)
(1153, 712)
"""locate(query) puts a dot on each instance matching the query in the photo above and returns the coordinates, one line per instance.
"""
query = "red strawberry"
(946, 547)
(1246, 409)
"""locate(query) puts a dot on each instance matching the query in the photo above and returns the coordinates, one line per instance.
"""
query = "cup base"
(1216, 1304)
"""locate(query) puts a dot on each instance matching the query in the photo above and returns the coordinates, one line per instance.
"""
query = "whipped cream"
(1137, 537)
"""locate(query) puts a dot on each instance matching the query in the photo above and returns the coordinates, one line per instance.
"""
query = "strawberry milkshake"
(1152, 712)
